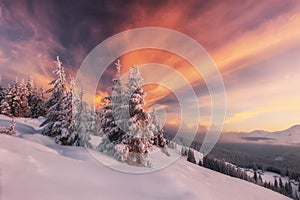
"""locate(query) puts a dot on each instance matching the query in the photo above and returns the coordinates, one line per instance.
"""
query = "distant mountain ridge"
(290, 135)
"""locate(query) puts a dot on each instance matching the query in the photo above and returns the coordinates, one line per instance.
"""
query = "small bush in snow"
(10, 130)
(122, 152)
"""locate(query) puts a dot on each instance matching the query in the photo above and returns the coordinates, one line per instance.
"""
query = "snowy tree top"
(118, 66)
(58, 62)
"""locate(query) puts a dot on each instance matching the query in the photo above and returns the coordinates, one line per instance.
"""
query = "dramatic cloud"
(255, 44)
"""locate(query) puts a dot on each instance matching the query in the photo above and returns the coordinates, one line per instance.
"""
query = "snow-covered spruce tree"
(15, 103)
(86, 122)
(255, 178)
(11, 129)
(129, 133)
(191, 156)
(76, 121)
(120, 107)
(158, 131)
(30, 87)
(54, 104)
(138, 136)
(37, 103)
(68, 133)
(184, 151)
(24, 104)
(107, 127)
(5, 104)
(93, 122)
(35, 98)
(144, 131)
(3, 91)
(113, 120)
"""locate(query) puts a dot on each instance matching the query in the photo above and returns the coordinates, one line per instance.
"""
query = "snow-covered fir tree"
(79, 112)
(113, 118)
(54, 104)
(184, 151)
(108, 128)
(129, 132)
(191, 156)
(29, 87)
(16, 103)
(144, 129)
(37, 103)
(24, 104)
(93, 122)
(5, 107)
(139, 119)
(158, 131)
(4, 104)
(11, 129)
(86, 121)
(120, 107)
(68, 134)
(3, 90)
(22, 100)
(107, 123)
(67, 116)
(35, 98)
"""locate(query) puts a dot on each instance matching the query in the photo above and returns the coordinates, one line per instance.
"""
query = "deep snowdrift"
(39, 169)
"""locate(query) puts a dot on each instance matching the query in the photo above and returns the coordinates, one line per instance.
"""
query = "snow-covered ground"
(32, 123)
(34, 167)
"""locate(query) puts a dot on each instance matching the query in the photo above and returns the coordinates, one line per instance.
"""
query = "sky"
(254, 44)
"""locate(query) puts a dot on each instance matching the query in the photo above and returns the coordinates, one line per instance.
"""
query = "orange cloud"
(239, 36)
(273, 37)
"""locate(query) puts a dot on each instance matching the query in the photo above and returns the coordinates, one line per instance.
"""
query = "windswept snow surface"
(34, 167)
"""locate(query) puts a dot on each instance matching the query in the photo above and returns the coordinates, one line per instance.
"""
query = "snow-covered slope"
(38, 169)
